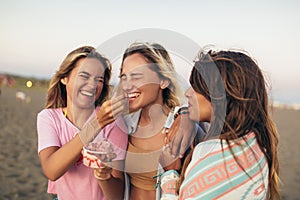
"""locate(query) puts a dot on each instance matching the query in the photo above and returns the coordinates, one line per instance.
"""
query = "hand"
(180, 136)
(109, 112)
(168, 162)
(111, 109)
(103, 173)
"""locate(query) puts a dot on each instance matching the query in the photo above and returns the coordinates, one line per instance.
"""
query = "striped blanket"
(214, 173)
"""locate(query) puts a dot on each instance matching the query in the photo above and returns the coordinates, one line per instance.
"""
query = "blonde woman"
(147, 79)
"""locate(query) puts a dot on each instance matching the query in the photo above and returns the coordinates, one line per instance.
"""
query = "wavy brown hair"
(57, 94)
(243, 104)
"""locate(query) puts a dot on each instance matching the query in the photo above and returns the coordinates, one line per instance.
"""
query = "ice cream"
(95, 152)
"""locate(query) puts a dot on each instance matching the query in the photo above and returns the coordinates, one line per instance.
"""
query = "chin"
(193, 117)
(131, 110)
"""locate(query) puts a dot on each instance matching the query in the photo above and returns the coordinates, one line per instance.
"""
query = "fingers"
(185, 143)
(175, 137)
(118, 110)
(165, 130)
(172, 132)
(111, 109)
(168, 162)
(117, 98)
(175, 145)
(118, 105)
(103, 173)
(166, 158)
(181, 136)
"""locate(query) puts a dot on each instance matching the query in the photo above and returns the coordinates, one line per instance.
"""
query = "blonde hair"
(57, 94)
(156, 54)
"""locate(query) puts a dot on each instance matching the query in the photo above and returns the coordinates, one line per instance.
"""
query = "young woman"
(238, 159)
(148, 81)
(76, 112)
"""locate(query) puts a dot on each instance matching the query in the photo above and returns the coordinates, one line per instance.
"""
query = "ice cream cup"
(96, 152)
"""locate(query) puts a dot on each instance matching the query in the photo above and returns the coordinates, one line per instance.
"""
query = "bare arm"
(111, 180)
(56, 161)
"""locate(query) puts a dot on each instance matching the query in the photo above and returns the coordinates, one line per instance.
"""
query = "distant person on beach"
(20, 96)
(77, 111)
(238, 157)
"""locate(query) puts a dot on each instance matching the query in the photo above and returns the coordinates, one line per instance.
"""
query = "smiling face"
(200, 108)
(140, 83)
(85, 83)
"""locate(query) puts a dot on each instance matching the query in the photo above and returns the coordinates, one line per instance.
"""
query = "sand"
(21, 176)
(287, 122)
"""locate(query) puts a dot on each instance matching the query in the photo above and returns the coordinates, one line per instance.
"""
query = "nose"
(92, 83)
(126, 85)
(188, 93)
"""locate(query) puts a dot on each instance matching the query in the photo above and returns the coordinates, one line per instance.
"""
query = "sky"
(36, 35)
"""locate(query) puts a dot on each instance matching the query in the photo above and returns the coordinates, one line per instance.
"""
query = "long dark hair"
(246, 104)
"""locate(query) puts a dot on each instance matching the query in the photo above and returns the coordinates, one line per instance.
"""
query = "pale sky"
(36, 35)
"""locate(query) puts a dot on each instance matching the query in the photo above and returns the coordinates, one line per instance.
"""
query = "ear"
(164, 83)
(64, 80)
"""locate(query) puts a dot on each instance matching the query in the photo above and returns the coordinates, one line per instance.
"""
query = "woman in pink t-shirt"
(76, 112)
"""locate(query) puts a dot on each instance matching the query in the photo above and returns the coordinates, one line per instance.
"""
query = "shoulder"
(54, 112)
(216, 145)
(50, 116)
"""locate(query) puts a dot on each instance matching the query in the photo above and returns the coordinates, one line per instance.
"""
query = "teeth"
(90, 94)
(133, 95)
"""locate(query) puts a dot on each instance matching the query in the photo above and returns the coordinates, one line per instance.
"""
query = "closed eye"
(133, 76)
(136, 76)
(84, 76)
(100, 80)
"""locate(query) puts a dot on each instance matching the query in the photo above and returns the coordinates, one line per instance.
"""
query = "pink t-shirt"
(54, 129)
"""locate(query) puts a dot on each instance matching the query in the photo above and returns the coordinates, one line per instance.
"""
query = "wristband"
(90, 131)
(181, 111)
(168, 184)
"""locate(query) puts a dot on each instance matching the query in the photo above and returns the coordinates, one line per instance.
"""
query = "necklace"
(65, 112)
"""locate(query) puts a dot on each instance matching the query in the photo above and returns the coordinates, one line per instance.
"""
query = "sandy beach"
(21, 175)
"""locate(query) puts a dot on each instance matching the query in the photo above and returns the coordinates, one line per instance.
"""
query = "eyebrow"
(133, 74)
(136, 74)
(86, 73)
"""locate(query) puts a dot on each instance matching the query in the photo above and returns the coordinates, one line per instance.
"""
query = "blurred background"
(36, 36)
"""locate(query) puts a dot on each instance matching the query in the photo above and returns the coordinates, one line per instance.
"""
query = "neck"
(78, 116)
(151, 121)
(153, 114)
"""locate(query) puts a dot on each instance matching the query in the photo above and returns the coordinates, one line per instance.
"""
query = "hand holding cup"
(99, 152)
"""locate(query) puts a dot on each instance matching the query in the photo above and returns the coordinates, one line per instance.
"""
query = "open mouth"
(87, 93)
(133, 95)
